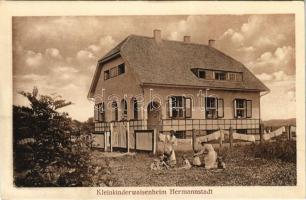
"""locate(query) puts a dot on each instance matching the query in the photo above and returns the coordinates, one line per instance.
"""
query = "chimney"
(187, 39)
(157, 35)
(211, 43)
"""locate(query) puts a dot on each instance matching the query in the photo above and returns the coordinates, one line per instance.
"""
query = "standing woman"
(172, 142)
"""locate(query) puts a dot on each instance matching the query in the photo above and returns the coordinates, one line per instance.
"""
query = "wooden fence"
(125, 135)
(145, 140)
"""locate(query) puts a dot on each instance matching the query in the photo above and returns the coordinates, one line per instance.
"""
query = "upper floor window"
(220, 75)
(242, 108)
(99, 112)
(214, 108)
(115, 71)
(200, 73)
(114, 111)
(106, 75)
(234, 76)
(121, 69)
(210, 74)
(180, 107)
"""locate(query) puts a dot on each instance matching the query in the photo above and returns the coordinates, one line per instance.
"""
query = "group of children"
(168, 159)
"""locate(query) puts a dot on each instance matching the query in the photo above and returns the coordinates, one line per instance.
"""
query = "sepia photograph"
(154, 100)
(180, 101)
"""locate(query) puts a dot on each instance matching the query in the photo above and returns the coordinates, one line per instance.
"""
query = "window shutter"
(170, 107)
(188, 107)
(235, 111)
(96, 112)
(102, 112)
(249, 108)
(220, 107)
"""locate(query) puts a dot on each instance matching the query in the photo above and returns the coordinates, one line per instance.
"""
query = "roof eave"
(201, 87)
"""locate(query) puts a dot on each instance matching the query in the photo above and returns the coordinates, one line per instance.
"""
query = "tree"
(53, 159)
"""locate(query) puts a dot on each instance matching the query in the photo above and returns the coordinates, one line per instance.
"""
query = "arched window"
(124, 109)
(114, 111)
(135, 108)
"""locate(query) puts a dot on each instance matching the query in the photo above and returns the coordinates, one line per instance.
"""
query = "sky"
(59, 54)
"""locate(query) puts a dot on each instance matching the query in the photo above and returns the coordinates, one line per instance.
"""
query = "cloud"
(282, 59)
(84, 55)
(264, 77)
(280, 102)
(30, 77)
(64, 69)
(276, 76)
(94, 48)
(33, 59)
(248, 49)
(53, 52)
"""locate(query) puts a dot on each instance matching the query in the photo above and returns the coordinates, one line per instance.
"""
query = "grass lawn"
(242, 169)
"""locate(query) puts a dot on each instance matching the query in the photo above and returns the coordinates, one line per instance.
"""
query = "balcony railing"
(185, 124)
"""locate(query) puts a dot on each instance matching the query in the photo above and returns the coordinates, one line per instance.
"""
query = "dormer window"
(234, 76)
(121, 69)
(106, 74)
(200, 73)
(220, 76)
(115, 71)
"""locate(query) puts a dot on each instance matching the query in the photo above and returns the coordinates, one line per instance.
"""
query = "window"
(135, 108)
(242, 108)
(180, 134)
(101, 112)
(201, 74)
(220, 75)
(106, 75)
(180, 107)
(177, 106)
(121, 69)
(124, 109)
(233, 76)
(211, 107)
(113, 72)
(114, 111)
(214, 108)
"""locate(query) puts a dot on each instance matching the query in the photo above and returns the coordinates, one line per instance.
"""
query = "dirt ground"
(241, 170)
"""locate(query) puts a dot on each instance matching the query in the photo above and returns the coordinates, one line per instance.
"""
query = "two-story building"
(180, 85)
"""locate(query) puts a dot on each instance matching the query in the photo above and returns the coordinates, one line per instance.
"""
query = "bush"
(51, 159)
(280, 149)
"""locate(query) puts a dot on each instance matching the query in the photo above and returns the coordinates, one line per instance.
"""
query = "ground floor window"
(180, 134)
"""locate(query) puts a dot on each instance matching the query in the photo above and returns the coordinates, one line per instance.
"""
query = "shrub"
(52, 159)
(280, 149)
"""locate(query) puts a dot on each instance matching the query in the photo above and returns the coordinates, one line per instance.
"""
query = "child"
(221, 164)
(160, 163)
(186, 163)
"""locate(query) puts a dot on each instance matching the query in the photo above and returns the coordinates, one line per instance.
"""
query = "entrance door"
(154, 116)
